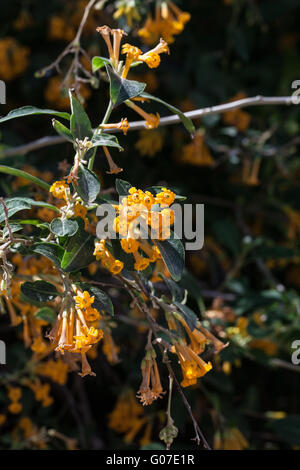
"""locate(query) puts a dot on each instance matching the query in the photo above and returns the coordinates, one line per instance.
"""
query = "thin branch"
(72, 48)
(164, 121)
(199, 437)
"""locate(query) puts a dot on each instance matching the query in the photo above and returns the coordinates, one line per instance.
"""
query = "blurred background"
(243, 165)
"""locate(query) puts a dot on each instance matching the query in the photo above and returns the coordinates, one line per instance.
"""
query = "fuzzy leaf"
(99, 62)
(80, 125)
(39, 291)
(106, 140)
(88, 185)
(187, 122)
(122, 89)
(64, 227)
(188, 314)
(32, 111)
(62, 130)
(172, 252)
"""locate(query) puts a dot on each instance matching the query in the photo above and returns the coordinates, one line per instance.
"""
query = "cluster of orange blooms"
(13, 58)
(168, 22)
(133, 210)
(197, 153)
(192, 366)
(128, 418)
(74, 330)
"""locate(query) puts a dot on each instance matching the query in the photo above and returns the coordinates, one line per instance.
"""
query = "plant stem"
(99, 130)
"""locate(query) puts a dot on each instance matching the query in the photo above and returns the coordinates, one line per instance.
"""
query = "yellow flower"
(60, 189)
(59, 29)
(197, 153)
(80, 210)
(129, 245)
(2, 419)
(192, 366)
(14, 393)
(15, 408)
(107, 259)
(84, 300)
(13, 58)
(169, 21)
(140, 263)
(150, 143)
(132, 54)
(165, 197)
(128, 9)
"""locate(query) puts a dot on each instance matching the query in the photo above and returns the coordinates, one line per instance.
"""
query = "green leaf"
(122, 89)
(88, 185)
(13, 205)
(51, 251)
(40, 291)
(176, 291)
(99, 62)
(122, 187)
(64, 227)
(187, 122)
(33, 202)
(13, 227)
(62, 130)
(188, 314)
(79, 251)
(47, 314)
(102, 300)
(80, 125)
(172, 252)
(32, 111)
(106, 140)
(23, 174)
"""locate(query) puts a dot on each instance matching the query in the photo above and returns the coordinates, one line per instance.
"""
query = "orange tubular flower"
(105, 32)
(150, 371)
(141, 263)
(152, 58)
(107, 260)
(132, 54)
(192, 366)
(197, 339)
(123, 125)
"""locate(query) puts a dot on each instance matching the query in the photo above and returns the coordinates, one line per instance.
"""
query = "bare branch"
(164, 121)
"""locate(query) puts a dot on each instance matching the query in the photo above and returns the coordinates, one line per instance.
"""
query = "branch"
(164, 121)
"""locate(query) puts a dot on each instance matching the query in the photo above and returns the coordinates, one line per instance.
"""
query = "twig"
(164, 121)
(154, 327)
(75, 48)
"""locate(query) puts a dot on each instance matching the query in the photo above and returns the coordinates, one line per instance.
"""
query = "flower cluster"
(13, 58)
(192, 366)
(134, 216)
(150, 373)
(74, 329)
(168, 22)
(14, 394)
